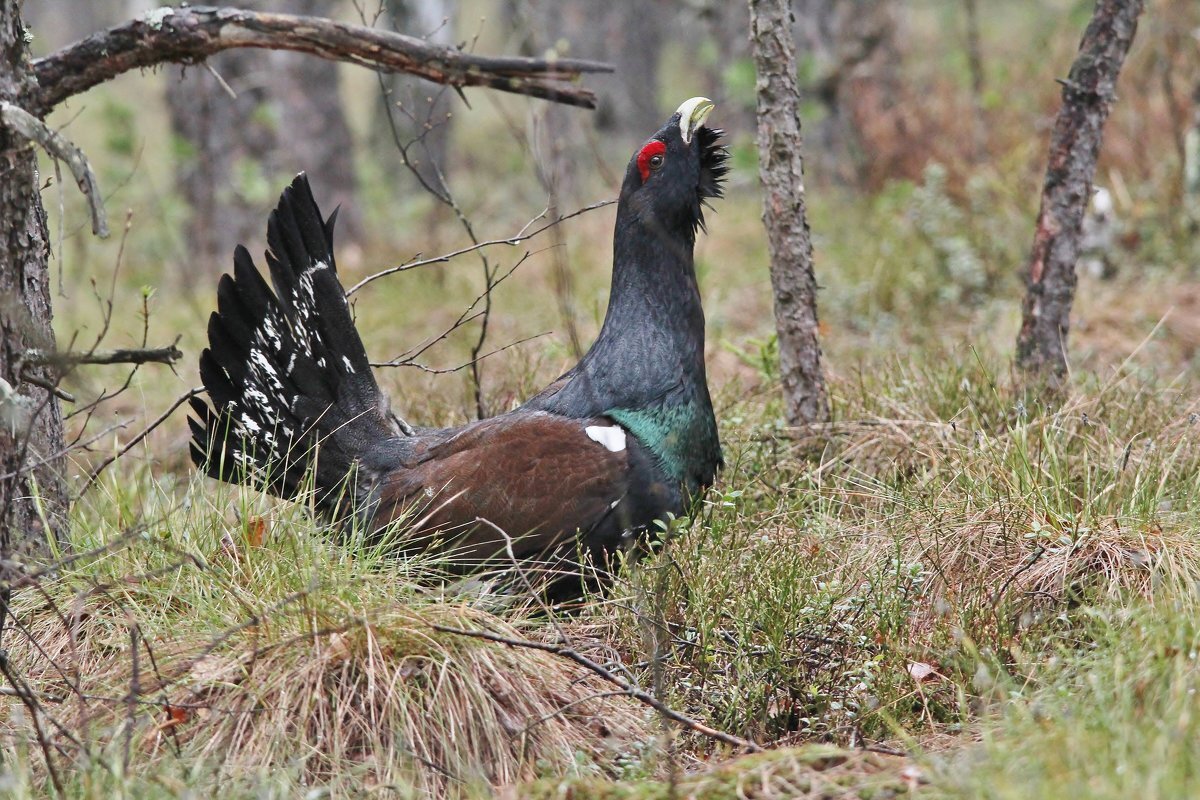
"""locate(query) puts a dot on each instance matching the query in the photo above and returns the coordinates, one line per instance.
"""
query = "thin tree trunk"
(30, 420)
(849, 44)
(217, 136)
(1088, 95)
(313, 134)
(1191, 162)
(782, 171)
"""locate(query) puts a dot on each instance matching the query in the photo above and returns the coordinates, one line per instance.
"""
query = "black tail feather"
(291, 388)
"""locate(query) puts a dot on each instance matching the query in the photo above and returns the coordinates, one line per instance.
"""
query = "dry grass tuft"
(226, 669)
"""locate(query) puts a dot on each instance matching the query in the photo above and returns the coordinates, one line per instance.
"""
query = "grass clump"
(953, 526)
(259, 654)
(1113, 717)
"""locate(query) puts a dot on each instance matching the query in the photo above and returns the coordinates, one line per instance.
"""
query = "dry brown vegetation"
(1000, 590)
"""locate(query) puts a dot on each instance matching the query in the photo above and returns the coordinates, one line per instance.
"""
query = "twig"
(27, 698)
(42, 383)
(25, 465)
(519, 568)
(603, 672)
(396, 362)
(95, 473)
(60, 148)
(515, 239)
(1035, 557)
(147, 355)
(464, 318)
(190, 35)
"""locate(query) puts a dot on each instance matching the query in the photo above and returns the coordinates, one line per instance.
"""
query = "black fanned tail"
(286, 372)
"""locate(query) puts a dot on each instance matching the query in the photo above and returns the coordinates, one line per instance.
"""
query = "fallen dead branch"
(603, 672)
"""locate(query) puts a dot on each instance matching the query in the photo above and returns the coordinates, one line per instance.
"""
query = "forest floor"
(954, 590)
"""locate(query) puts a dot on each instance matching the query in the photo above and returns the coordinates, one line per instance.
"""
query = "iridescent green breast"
(682, 437)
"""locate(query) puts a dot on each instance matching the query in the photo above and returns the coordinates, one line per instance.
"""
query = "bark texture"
(30, 420)
(1088, 95)
(190, 35)
(781, 169)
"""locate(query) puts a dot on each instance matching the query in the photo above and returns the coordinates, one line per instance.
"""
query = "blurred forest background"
(925, 134)
(926, 126)
(996, 594)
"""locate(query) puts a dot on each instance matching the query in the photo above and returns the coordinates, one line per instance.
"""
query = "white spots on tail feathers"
(611, 436)
(349, 366)
(256, 399)
(269, 334)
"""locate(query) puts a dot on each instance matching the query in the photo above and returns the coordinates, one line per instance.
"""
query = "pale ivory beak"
(692, 114)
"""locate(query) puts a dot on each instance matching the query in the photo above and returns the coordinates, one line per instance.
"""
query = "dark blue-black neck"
(646, 369)
(651, 345)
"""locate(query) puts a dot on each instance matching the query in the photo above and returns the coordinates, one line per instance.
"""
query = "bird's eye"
(651, 158)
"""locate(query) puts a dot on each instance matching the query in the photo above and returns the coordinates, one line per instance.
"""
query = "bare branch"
(190, 35)
(49, 386)
(408, 362)
(516, 239)
(95, 473)
(142, 355)
(60, 149)
(607, 674)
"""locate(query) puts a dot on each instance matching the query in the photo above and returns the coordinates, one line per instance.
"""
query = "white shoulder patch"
(611, 436)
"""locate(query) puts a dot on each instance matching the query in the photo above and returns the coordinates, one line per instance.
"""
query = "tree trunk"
(286, 118)
(313, 135)
(718, 30)
(1191, 162)
(628, 108)
(782, 171)
(975, 66)
(1088, 95)
(31, 440)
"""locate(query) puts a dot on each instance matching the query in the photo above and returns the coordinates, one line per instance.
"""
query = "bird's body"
(625, 438)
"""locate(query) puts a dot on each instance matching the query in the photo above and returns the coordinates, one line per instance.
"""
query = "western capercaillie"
(624, 438)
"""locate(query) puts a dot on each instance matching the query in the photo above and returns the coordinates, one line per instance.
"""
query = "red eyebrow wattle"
(648, 152)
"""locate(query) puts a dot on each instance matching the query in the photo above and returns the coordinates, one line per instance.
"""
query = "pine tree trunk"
(31, 431)
(782, 171)
(1088, 95)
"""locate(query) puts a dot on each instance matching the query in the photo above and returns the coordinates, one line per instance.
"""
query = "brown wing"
(538, 477)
